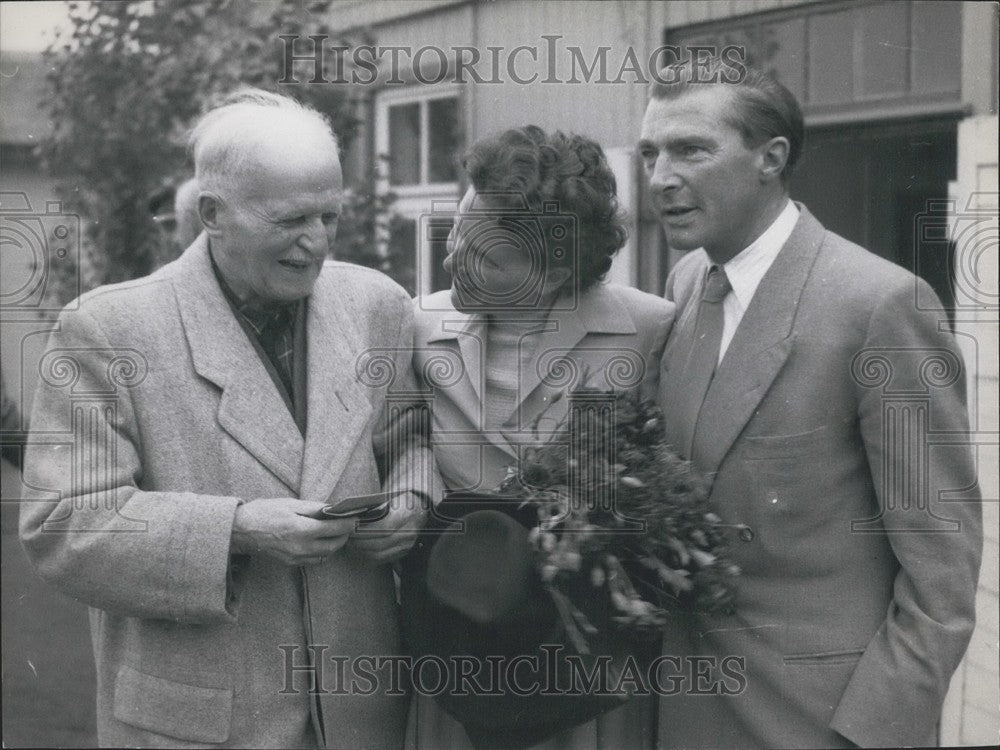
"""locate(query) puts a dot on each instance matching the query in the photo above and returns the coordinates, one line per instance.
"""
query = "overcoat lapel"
(338, 407)
(470, 332)
(563, 330)
(250, 409)
(464, 336)
(596, 312)
(759, 348)
(559, 334)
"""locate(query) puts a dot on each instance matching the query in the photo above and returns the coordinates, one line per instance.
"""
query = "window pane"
(403, 252)
(404, 144)
(442, 122)
(937, 47)
(783, 54)
(831, 58)
(437, 246)
(885, 48)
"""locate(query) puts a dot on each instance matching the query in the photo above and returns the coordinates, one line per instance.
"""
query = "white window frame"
(416, 200)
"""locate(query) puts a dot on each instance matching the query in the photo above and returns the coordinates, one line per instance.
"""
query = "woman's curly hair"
(569, 171)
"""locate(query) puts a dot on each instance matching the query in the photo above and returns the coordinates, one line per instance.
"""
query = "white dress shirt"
(746, 270)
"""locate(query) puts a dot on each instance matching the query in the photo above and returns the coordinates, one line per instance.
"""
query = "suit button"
(746, 534)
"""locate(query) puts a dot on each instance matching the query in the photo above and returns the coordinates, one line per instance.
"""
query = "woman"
(527, 319)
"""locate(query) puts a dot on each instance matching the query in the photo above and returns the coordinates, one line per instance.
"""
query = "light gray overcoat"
(153, 420)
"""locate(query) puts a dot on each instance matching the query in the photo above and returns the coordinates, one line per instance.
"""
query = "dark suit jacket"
(819, 428)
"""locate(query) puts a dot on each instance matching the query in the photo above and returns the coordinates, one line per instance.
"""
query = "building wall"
(972, 711)
(609, 112)
(522, 22)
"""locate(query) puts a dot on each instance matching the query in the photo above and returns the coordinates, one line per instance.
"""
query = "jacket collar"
(760, 347)
(597, 311)
(250, 409)
(222, 353)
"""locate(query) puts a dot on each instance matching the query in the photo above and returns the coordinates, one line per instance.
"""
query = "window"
(880, 88)
(419, 134)
(847, 62)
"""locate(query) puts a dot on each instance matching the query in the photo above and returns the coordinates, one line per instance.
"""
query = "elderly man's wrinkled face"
(707, 182)
(277, 227)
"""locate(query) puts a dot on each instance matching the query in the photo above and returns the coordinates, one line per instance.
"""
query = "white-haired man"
(225, 399)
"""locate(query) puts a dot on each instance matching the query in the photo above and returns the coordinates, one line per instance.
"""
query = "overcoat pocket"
(187, 712)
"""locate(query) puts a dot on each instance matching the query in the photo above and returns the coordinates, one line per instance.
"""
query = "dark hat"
(482, 566)
(469, 590)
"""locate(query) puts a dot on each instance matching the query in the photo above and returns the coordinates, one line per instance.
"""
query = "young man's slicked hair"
(765, 109)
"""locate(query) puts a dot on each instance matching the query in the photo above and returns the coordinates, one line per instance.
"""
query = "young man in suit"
(189, 422)
(801, 378)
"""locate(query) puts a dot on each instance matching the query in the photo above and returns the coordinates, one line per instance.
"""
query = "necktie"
(686, 392)
(274, 325)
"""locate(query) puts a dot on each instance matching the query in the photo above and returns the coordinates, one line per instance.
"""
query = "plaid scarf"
(273, 325)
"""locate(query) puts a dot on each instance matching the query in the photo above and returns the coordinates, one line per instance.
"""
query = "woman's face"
(497, 260)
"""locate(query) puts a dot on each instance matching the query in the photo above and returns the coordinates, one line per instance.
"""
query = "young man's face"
(706, 181)
(277, 227)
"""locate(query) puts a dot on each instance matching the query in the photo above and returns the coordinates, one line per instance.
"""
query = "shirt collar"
(258, 313)
(746, 270)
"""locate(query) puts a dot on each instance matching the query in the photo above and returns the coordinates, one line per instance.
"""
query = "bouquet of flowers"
(624, 534)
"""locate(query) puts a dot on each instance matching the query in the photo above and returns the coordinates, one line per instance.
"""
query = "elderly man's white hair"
(224, 139)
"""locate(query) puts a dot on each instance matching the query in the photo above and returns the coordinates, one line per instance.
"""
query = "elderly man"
(190, 422)
(803, 380)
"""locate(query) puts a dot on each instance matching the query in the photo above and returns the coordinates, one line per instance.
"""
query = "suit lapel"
(597, 311)
(470, 332)
(464, 337)
(559, 335)
(559, 363)
(681, 341)
(759, 348)
(250, 409)
(337, 403)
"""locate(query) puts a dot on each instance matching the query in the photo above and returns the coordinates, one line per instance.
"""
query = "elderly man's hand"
(391, 537)
(278, 528)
